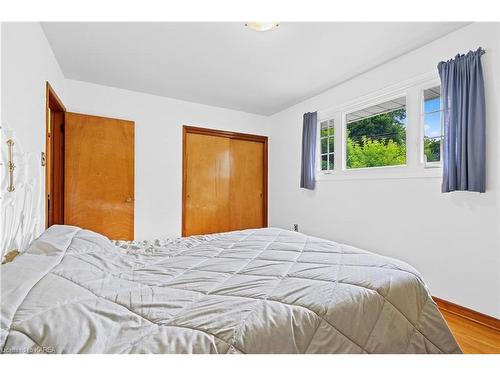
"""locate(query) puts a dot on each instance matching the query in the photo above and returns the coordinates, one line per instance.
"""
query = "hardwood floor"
(473, 338)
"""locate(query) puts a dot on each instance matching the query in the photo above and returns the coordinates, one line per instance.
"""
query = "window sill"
(431, 165)
(381, 173)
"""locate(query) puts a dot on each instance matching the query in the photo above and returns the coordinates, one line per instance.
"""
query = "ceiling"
(227, 64)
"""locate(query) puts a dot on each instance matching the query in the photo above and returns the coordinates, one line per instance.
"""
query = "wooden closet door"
(246, 189)
(224, 181)
(99, 175)
(206, 179)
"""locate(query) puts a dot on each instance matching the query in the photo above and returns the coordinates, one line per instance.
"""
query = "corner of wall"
(27, 63)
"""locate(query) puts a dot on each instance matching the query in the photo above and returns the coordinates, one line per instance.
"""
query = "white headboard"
(19, 223)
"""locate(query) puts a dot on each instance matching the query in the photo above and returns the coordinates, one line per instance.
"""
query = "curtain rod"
(460, 55)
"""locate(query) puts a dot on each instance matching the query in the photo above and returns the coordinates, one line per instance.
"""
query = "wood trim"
(183, 224)
(57, 186)
(54, 154)
(226, 134)
(265, 189)
(467, 313)
(53, 99)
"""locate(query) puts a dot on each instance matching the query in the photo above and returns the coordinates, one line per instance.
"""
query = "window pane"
(324, 162)
(324, 145)
(327, 144)
(432, 99)
(331, 142)
(432, 105)
(376, 135)
(324, 129)
(432, 149)
(432, 125)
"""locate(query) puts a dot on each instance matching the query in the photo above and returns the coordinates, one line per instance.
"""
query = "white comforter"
(252, 291)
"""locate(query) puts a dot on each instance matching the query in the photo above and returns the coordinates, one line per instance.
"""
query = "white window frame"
(431, 164)
(415, 167)
(318, 146)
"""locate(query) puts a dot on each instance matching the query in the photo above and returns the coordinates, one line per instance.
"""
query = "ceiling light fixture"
(262, 26)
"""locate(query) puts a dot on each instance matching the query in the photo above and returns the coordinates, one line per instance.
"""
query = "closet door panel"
(206, 179)
(246, 193)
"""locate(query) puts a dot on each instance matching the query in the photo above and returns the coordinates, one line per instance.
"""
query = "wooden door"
(207, 173)
(99, 175)
(224, 181)
(246, 188)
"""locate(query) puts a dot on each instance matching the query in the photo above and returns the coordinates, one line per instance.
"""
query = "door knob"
(129, 200)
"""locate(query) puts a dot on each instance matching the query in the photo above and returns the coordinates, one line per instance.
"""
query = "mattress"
(252, 291)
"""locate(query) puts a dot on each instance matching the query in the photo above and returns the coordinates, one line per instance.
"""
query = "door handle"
(129, 200)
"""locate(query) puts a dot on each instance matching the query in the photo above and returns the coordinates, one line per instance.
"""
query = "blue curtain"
(308, 166)
(462, 92)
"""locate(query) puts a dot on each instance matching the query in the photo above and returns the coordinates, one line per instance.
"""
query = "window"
(433, 134)
(376, 135)
(327, 139)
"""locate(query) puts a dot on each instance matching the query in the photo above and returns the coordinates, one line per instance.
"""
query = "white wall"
(158, 145)
(453, 239)
(27, 62)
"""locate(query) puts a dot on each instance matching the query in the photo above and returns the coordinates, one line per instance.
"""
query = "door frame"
(188, 129)
(54, 162)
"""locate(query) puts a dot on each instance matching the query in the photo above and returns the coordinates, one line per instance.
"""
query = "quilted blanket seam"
(28, 336)
(139, 315)
(36, 283)
(298, 277)
(322, 317)
(215, 247)
(417, 330)
(239, 326)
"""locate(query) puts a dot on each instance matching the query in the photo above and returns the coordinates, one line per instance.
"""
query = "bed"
(252, 291)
